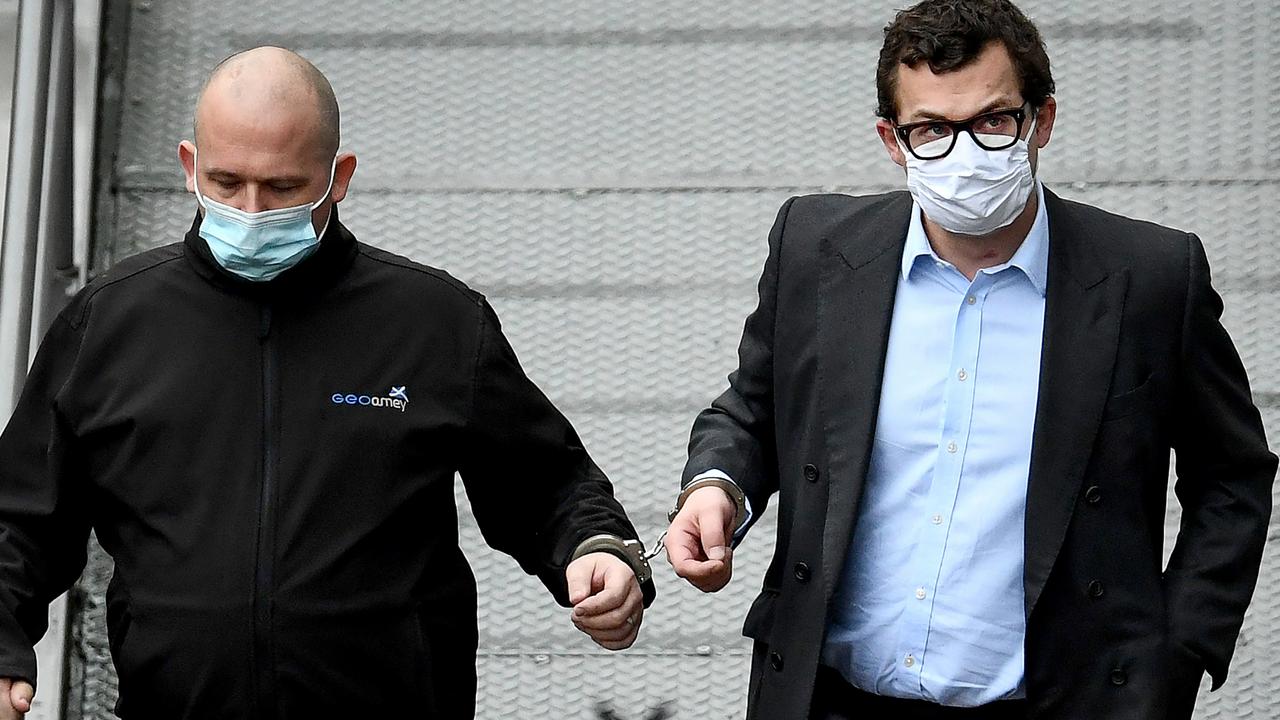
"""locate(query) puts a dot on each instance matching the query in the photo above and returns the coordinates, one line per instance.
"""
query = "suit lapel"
(861, 261)
(1083, 308)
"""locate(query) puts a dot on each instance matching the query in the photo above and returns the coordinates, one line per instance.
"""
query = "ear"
(1044, 121)
(187, 155)
(345, 167)
(890, 139)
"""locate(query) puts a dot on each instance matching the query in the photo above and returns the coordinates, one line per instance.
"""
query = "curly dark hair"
(949, 34)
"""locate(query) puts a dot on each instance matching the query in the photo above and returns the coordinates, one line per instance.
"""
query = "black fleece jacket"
(271, 466)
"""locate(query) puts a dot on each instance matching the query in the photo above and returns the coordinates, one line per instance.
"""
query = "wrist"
(712, 494)
(630, 552)
(737, 498)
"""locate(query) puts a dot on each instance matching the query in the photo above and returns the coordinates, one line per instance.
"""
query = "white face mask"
(973, 191)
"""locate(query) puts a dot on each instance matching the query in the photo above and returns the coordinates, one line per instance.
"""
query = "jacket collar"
(321, 270)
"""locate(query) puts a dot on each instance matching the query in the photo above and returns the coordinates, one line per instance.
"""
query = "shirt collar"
(1032, 256)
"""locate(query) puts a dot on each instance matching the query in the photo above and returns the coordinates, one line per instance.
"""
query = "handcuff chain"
(657, 548)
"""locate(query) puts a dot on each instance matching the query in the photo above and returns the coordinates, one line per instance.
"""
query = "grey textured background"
(8, 51)
(607, 172)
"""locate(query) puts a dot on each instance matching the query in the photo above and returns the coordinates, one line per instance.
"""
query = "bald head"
(271, 85)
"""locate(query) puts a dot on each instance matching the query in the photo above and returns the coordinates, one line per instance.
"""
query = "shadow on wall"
(605, 711)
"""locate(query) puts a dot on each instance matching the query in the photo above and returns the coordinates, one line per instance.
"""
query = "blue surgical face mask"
(259, 246)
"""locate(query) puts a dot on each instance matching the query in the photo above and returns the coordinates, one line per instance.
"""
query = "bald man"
(262, 423)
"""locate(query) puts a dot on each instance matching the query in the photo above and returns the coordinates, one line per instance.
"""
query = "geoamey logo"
(397, 399)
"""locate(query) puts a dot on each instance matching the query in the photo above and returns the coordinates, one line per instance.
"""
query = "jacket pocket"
(759, 622)
(1130, 401)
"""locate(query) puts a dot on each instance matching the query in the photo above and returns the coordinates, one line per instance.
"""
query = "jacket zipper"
(263, 652)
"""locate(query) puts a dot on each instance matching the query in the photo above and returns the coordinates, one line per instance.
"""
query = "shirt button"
(952, 447)
(802, 572)
(775, 661)
(972, 300)
(936, 519)
(1093, 495)
(920, 593)
(1096, 590)
(811, 473)
(910, 661)
(962, 375)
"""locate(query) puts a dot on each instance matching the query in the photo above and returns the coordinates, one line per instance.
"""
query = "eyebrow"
(1002, 103)
(220, 174)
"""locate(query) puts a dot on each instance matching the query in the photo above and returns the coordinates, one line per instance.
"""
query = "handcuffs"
(629, 551)
(632, 552)
(731, 488)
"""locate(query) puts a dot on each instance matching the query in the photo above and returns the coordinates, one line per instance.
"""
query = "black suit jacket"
(1134, 363)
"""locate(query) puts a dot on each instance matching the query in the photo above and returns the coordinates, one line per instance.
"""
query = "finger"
(627, 632)
(20, 695)
(614, 635)
(688, 555)
(713, 527)
(632, 605)
(622, 644)
(716, 582)
(698, 570)
(617, 634)
(578, 576)
(683, 543)
(618, 580)
(708, 576)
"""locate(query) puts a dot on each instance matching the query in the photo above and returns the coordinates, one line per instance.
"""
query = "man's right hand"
(698, 541)
(15, 698)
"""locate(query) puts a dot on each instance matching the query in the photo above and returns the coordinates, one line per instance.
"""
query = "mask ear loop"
(195, 179)
(333, 171)
(1035, 116)
(1030, 134)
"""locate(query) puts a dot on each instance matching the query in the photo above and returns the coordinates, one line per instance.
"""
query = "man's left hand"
(607, 602)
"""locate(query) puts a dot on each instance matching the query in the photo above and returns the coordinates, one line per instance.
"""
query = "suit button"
(802, 572)
(1093, 495)
(811, 473)
(775, 661)
(1096, 590)
(1118, 677)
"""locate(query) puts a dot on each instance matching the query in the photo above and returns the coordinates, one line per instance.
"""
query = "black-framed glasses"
(992, 130)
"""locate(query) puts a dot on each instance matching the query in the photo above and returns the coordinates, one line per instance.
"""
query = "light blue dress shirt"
(930, 603)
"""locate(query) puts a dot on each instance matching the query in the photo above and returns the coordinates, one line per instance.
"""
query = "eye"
(937, 130)
(997, 123)
(225, 184)
(284, 187)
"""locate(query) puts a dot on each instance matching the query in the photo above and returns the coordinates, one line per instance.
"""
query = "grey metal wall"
(607, 172)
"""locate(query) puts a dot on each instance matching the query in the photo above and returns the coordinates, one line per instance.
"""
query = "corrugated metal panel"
(607, 173)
